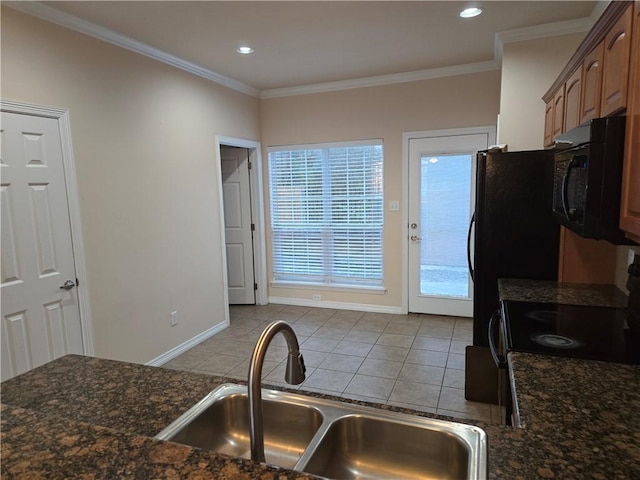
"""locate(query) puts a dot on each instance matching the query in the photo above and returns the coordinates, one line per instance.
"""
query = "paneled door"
(441, 201)
(40, 311)
(236, 191)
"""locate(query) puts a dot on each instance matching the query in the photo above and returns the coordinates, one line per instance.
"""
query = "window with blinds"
(327, 213)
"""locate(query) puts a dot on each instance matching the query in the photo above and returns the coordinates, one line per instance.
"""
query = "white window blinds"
(327, 213)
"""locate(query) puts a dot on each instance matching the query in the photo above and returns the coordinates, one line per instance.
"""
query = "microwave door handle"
(500, 360)
(565, 188)
(577, 161)
(469, 262)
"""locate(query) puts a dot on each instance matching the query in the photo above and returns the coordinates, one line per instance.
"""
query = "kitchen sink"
(220, 422)
(363, 446)
(334, 439)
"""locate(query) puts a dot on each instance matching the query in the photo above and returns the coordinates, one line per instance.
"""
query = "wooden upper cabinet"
(595, 81)
(615, 74)
(548, 124)
(558, 112)
(572, 98)
(592, 84)
(630, 205)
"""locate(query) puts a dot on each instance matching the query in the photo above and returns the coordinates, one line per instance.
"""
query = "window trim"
(322, 146)
(330, 287)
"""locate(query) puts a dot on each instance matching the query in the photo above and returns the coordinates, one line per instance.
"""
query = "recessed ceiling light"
(244, 50)
(470, 12)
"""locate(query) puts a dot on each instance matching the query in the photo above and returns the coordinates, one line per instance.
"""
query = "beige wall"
(143, 135)
(528, 70)
(379, 112)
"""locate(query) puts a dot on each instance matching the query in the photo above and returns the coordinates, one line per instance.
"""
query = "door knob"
(414, 226)
(68, 285)
(415, 238)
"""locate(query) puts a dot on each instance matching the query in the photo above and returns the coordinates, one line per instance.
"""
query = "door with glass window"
(441, 201)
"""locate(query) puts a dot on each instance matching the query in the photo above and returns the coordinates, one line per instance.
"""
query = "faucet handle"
(296, 369)
(303, 367)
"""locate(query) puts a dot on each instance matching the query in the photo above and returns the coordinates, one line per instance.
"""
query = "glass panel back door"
(441, 197)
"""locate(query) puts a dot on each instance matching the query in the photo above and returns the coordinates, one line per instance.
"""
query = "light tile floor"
(414, 361)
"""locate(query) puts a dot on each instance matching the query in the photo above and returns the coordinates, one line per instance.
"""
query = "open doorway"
(242, 208)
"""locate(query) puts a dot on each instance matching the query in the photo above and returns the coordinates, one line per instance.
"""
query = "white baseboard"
(183, 347)
(303, 302)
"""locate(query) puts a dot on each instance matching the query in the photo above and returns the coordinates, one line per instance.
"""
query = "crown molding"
(72, 22)
(508, 36)
(542, 31)
(579, 25)
(380, 80)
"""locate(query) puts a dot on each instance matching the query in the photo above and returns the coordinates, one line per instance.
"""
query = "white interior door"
(236, 190)
(40, 320)
(441, 197)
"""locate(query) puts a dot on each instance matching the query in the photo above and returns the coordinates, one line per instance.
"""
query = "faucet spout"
(294, 375)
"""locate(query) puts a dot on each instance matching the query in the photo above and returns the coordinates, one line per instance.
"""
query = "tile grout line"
(315, 322)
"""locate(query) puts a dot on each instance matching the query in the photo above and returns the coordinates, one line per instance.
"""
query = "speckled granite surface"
(82, 417)
(88, 418)
(557, 292)
(40, 446)
(123, 396)
(580, 420)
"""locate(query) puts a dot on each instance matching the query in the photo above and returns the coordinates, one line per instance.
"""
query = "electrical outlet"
(174, 318)
(316, 298)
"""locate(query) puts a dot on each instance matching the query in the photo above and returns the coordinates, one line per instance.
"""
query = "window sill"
(372, 289)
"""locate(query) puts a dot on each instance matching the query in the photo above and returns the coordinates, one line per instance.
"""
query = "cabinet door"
(548, 123)
(615, 76)
(558, 112)
(592, 84)
(573, 88)
(630, 207)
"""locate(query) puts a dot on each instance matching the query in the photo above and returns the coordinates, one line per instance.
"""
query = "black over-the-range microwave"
(588, 179)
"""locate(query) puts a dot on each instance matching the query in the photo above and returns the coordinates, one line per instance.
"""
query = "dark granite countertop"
(89, 418)
(36, 445)
(83, 417)
(579, 418)
(558, 292)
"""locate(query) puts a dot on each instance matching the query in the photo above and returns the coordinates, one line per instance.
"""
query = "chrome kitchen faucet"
(294, 375)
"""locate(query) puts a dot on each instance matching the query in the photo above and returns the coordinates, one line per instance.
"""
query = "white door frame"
(257, 213)
(73, 203)
(406, 138)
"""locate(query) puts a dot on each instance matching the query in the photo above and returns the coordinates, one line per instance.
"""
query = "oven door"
(570, 187)
(498, 348)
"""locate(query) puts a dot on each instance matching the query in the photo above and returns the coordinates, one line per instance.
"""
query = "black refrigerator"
(514, 236)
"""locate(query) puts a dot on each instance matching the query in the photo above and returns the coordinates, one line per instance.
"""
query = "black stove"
(578, 331)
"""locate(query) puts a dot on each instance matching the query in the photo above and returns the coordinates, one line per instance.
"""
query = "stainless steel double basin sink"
(333, 439)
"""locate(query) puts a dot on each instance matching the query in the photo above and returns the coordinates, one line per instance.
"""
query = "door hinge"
(249, 163)
(255, 286)
(253, 227)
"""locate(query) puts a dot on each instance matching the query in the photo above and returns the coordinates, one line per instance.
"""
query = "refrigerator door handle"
(500, 360)
(469, 262)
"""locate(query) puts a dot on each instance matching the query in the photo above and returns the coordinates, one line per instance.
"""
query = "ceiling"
(314, 42)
